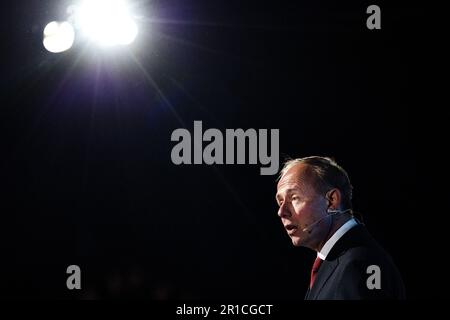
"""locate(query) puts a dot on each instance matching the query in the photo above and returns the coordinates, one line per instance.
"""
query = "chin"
(296, 241)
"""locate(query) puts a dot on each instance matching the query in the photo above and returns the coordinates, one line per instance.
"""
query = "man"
(314, 196)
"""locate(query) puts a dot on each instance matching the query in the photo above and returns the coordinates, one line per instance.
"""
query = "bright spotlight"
(58, 36)
(106, 22)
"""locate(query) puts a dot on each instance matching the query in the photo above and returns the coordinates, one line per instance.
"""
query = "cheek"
(301, 211)
(306, 212)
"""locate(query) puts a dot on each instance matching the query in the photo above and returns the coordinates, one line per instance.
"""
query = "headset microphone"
(330, 213)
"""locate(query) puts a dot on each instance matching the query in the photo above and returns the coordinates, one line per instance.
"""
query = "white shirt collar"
(322, 254)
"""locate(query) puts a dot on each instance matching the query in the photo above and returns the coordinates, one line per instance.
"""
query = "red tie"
(314, 271)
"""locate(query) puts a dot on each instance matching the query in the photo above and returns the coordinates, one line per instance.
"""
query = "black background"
(86, 172)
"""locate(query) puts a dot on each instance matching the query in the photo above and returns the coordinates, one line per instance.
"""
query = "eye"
(295, 198)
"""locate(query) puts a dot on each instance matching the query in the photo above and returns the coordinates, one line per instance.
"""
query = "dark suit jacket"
(343, 275)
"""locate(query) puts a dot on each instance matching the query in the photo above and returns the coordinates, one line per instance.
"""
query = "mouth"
(290, 228)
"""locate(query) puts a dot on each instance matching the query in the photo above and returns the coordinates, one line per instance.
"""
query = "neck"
(335, 223)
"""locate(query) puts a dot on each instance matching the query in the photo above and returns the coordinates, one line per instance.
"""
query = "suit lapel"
(348, 240)
(325, 271)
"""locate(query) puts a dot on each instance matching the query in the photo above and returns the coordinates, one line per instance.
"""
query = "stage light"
(58, 36)
(106, 22)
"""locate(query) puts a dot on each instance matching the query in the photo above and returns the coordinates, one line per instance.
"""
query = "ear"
(334, 199)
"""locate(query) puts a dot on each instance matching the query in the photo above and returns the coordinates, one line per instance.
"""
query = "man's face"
(300, 206)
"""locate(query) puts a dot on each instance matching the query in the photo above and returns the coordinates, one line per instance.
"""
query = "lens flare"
(58, 36)
(105, 22)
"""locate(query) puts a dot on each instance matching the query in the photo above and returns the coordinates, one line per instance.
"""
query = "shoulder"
(366, 261)
(366, 253)
(361, 248)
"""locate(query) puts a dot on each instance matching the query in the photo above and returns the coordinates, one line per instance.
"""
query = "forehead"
(297, 178)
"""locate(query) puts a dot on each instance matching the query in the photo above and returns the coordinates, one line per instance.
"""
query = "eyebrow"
(288, 191)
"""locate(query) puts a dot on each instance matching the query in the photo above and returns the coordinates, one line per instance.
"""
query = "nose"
(283, 211)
